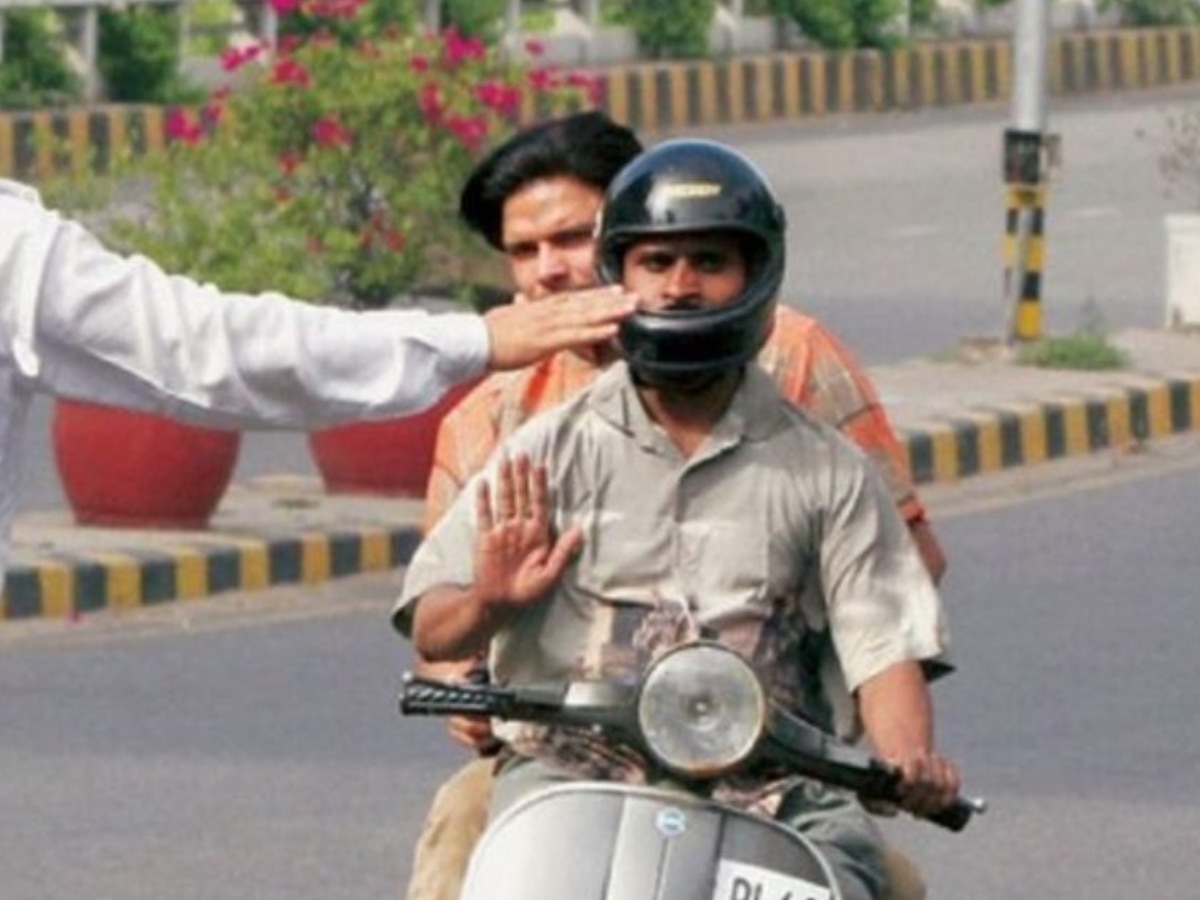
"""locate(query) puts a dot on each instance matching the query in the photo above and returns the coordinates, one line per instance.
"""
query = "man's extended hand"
(523, 333)
(517, 558)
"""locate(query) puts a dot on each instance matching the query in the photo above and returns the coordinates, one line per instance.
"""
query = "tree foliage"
(34, 72)
(671, 29)
(844, 24)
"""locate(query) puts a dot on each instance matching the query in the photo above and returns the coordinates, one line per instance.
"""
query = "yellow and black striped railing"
(665, 96)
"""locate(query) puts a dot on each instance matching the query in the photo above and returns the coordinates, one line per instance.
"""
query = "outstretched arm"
(517, 562)
(86, 322)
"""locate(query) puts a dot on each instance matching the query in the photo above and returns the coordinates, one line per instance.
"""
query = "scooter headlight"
(701, 710)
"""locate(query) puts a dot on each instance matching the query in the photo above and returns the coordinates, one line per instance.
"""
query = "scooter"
(697, 713)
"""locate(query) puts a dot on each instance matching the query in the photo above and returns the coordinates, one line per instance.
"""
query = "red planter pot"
(391, 457)
(137, 470)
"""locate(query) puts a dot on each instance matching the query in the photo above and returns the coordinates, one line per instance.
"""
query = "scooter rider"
(535, 199)
(678, 508)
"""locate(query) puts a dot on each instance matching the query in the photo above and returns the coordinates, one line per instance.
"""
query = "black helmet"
(685, 186)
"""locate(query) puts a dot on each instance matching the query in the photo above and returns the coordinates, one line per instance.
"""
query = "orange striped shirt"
(812, 368)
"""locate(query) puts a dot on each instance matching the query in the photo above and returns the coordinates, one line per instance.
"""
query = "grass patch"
(1087, 351)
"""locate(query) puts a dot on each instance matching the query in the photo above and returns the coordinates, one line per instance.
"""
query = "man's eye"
(657, 262)
(712, 262)
(521, 251)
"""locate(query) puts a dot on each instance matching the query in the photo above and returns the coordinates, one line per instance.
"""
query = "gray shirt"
(776, 536)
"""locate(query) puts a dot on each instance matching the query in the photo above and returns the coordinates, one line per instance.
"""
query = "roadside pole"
(1028, 154)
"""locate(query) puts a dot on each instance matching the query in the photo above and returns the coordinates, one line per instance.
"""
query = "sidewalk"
(958, 418)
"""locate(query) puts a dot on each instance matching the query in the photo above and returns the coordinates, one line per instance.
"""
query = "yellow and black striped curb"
(67, 584)
(677, 95)
(998, 439)
(979, 442)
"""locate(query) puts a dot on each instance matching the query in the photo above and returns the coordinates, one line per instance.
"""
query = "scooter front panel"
(615, 842)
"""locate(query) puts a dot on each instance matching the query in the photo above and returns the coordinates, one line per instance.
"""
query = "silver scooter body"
(601, 841)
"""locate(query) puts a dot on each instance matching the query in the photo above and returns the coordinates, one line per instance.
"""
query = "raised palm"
(517, 557)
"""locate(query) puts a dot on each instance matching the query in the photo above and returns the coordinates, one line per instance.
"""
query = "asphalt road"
(249, 746)
(896, 234)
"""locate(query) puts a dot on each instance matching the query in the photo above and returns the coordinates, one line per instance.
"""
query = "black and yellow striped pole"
(1024, 232)
(1025, 164)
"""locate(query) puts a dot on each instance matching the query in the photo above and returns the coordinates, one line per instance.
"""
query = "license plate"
(741, 881)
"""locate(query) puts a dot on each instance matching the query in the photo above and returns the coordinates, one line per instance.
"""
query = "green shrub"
(332, 172)
(1155, 13)
(138, 55)
(209, 25)
(671, 29)
(1086, 350)
(474, 18)
(34, 73)
(471, 18)
(844, 24)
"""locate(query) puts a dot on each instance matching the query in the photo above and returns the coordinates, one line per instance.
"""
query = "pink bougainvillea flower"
(182, 125)
(419, 63)
(535, 48)
(542, 80)
(596, 90)
(291, 72)
(470, 130)
(327, 131)
(457, 49)
(430, 102)
(503, 98)
(592, 85)
(283, 7)
(234, 58)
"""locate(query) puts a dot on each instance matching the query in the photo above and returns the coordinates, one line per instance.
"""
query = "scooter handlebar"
(808, 750)
(801, 746)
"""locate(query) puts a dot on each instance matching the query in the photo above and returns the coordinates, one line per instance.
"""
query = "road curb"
(989, 440)
(64, 585)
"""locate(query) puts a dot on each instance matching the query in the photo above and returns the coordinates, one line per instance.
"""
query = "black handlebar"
(426, 697)
(801, 746)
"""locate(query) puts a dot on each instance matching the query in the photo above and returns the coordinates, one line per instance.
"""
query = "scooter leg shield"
(587, 841)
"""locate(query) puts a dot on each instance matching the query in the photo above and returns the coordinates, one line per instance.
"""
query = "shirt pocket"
(713, 567)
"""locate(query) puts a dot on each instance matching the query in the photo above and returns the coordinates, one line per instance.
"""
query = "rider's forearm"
(897, 712)
(451, 623)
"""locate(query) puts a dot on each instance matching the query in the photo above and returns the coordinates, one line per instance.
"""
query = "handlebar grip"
(420, 696)
(957, 815)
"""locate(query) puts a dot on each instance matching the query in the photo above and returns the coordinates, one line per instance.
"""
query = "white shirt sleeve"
(79, 320)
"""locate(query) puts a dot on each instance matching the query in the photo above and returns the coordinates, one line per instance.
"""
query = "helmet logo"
(690, 189)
